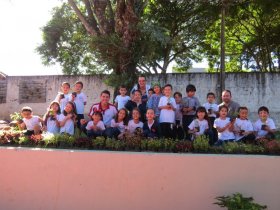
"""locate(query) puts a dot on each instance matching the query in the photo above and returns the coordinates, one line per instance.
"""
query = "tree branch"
(91, 16)
(88, 27)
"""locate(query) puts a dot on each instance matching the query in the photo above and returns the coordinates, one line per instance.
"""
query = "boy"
(167, 107)
(80, 100)
(121, 99)
(189, 106)
(178, 130)
(264, 126)
(65, 96)
(33, 124)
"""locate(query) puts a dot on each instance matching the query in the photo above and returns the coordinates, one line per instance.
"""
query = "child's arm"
(62, 123)
(228, 126)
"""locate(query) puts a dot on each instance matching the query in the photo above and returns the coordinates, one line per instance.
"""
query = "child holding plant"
(224, 126)
(135, 122)
(243, 128)
(50, 118)
(201, 125)
(151, 127)
(64, 96)
(118, 124)
(67, 119)
(264, 127)
(31, 123)
(95, 127)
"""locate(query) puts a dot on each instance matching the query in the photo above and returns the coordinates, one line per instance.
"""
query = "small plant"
(16, 116)
(201, 144)
(169, 145)
(154, 145)
(98, 142)
(184, 146)
(238, 202)
(233, 148)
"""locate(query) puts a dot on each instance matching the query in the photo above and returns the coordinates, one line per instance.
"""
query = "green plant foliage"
(16, 116)
(201, 144)
(238, 202)
(99, 142)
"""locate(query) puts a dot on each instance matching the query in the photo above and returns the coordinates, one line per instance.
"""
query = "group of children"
(163, 115)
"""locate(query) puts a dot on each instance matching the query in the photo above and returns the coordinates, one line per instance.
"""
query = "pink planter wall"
(64, 179)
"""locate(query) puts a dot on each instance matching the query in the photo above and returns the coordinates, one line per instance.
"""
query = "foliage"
(201, 144)
(16, 116)
(238, 202)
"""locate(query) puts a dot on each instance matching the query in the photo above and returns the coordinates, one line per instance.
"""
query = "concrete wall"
(250, 89)
(34, 179)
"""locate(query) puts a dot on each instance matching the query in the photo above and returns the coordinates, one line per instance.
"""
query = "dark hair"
(190, 87)
(26, 109)
(202, 109)
(227, 91)
(99, 114)
(73, 111)
(242, 108)
(136, 109)
(74, 94)
(79, 82)
(167, 85)
(105, 92)
(137, 91)
(57, 103)
(122, 86)
(126, 118)
(263, 108)
(65, 83)
(151, 89)
(223, 106)
(177, 93)
(210, 94)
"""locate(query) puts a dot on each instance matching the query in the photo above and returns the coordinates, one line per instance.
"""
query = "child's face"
(68, 108)
(263, 115)
(157, 89)
(104, 98)
(167, 91)
(137, 96)
(26, 114)
(150, 93)
(65, 88)
(178, 98)
(150, 115)
(96, 117)
(190, 93)
(123, 91)
(200, 115)
(223, 112)
(135, 115)
(54, 107)
(243, 114)
(121, 115)
(78, 88)
(211, 99)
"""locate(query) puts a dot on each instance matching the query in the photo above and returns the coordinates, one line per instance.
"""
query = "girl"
(136, 102)
(95, 127)
(154, 100)
(118, 124)
(135, 122)
(201, 125)
(224, 126)
(50, 118)
(151, 127)
(243, 128)
(67, 119)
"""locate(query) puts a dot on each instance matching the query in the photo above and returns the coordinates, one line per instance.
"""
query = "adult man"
(232, 105)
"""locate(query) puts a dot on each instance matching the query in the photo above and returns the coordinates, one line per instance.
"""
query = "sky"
(20, 34)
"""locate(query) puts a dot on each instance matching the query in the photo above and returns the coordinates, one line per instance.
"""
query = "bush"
(201, 144)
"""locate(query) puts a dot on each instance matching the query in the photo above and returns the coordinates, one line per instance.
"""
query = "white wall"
(65, 179)
(249, 89)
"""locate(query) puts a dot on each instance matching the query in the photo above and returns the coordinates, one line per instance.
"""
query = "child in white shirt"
(64, 96)
(135, 122)
(95, 127)
(167, 106)
(50, 118)
(243, 128)
(224, 127)
(80, 100)
(67, 119)
(31, 123)
(264, 127)
(121, 99)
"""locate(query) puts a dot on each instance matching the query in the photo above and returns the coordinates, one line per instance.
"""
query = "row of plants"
(136, 143)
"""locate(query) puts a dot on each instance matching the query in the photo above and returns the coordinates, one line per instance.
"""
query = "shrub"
(238, 202)
(201, 144)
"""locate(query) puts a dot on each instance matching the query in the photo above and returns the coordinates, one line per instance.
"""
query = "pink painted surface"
(64, 179)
